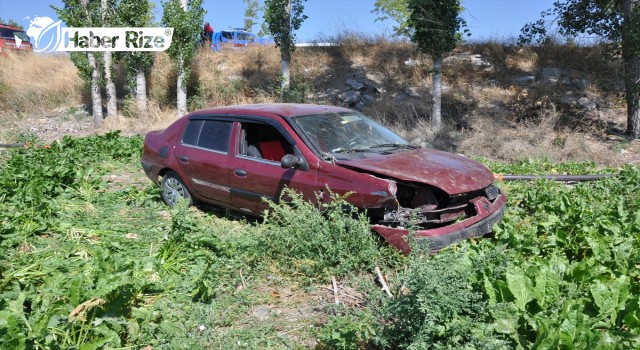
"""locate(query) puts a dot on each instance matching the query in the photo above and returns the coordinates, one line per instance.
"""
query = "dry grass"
(37, 84)
(485, 112)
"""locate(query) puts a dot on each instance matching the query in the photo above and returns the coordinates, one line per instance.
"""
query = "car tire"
(174, 189)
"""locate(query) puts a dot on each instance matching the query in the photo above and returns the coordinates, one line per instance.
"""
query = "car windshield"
(347, 133)
(11, 33)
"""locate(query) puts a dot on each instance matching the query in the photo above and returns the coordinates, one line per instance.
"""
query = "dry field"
(488, 112)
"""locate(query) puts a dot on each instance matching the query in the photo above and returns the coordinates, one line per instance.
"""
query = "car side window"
(215, 135)
(208, 134)
(263, 141)
(192, 132)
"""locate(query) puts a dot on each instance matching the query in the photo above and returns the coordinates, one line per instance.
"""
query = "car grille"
(492, 192)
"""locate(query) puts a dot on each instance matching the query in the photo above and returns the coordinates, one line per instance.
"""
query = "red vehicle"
(14, 38)
(235, 156)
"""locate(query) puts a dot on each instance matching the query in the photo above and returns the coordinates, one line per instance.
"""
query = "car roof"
(10, 27)
(269, 109)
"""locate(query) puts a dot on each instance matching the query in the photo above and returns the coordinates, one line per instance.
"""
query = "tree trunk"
(286, 54)
(112, 102)
(182, 90)
(436, 108)
(182, 84)
(286, 72)
(631, 56)
(633, 97)
(141, 92)
(96, 98)
(112, 105)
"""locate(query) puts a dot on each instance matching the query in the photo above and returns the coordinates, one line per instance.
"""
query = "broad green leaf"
(545, 340)
(602, 297)
(520, 286)
(610, 297)
(632, 316)
(540, 289)
(506, 326)
(568, 329)
(491, 292)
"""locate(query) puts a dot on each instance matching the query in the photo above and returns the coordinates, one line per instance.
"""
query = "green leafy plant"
(347, 332)
(441, 308)
(330, 238)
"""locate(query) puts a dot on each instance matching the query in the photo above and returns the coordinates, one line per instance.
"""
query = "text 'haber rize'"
(133, 40)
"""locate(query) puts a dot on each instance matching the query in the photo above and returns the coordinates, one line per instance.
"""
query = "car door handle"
(240, 172)
(183, 159)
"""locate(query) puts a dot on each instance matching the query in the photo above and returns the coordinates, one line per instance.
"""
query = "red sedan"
(235, 156)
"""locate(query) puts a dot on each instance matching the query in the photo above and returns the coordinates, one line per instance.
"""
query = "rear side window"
(209, 134)
(191, 132)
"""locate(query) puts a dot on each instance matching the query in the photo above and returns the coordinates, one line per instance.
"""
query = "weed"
(440, 308)
(347, 332)
(330, 238)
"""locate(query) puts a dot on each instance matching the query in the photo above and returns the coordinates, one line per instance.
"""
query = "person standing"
(208, 34)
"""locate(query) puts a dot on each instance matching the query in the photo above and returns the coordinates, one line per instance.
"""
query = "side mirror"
(289, 161)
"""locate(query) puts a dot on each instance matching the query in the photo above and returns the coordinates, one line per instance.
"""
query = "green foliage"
(34, 176)
(186, 30)
(89, 262)
(544, 166)
(435, 25)
(283, 18)
(75, 14)
(574, 17)
(250, 14)
(396, 10)
(331, 238)
(347, 332)
(12, 22)
(135, 13)
(442, 308)
(299, 92)
(572, 252)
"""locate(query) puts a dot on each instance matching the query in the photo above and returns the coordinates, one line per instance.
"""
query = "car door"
(203, 157)
(255, 172)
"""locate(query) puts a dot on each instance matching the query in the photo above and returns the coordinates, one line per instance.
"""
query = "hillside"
(500, 102)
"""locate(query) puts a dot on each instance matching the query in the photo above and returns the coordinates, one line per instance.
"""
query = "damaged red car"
(235, 156)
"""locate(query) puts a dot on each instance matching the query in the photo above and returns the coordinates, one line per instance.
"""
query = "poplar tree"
(435, 28)
(85, 13)
(283, 18)
(186, 19)
(107, 14)
(137, 13)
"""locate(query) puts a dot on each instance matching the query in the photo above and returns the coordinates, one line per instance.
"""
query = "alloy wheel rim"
(173, 191)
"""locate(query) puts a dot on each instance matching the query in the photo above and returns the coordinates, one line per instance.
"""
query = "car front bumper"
(488, 213)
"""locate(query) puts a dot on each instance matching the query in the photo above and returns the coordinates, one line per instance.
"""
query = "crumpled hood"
(450, 172)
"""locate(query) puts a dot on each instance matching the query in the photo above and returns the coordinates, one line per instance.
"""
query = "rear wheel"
(174, 189)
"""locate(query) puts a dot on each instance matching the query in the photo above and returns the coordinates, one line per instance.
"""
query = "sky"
(486, 19)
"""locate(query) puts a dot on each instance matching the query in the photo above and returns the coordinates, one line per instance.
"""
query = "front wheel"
(173, 189)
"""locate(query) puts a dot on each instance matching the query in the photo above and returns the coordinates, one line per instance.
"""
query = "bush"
(441, 309)
(331, 238)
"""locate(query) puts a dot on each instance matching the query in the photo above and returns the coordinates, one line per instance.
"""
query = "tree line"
(435, 26)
